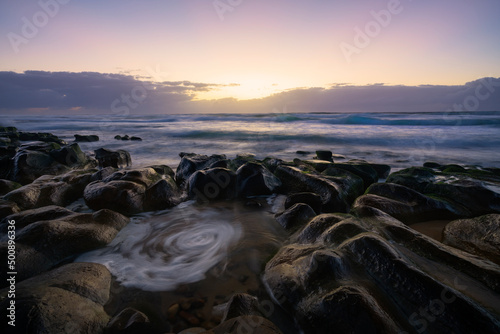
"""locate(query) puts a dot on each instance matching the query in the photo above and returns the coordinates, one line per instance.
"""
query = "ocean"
(398, 139)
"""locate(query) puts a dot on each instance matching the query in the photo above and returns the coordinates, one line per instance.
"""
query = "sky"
(248, 56)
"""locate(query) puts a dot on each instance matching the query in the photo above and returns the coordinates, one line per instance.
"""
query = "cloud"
(90, 92)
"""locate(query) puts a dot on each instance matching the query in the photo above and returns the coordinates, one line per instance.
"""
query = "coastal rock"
(7, 208)
(241, 304)
(318, 165)
(335, 193)
(480, 236)
(86, 138)
(192, 162)
(360, 168)
(68, 299)
(324, 155)
(296, 216)
(45, 242)
(49, 190)
(212, 184)
(407, 205)
(254, 179)
(116, 159)
(30, 165)
(370, 273)
(129, 321)
(40, 136)
(245, 324)
(7, 186)
(132, 191)
(311, 199)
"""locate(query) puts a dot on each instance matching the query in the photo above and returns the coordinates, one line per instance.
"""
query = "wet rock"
(318, 165)
(246, 324)
(360, 168)
(132, 191)
(49, 190)
(30, 165)
(40, 136)
(370, 273)
(86, 138)
(254, 179)
(43, 242)
(480, 236)
(126, 137)
(383, 171)
(296, 216)
(311, 199)
(116, 159)
(136, 138)
(192, 162)
(212, 184)
(129, 321)
(7, 208)
(408, 205)
(431, 164)
(7, 186)
(118, 137)
(68, 299)
(324, 155)
(241, 304)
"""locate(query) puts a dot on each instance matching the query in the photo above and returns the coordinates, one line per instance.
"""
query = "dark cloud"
(107, 93)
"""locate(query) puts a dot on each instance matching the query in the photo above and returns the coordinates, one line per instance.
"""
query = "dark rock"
(118, 137)
(30, 165)
(332, 193)
(246, 324)
(5, 141)
(8, 151)
(383, 171)
(69, 299)
(324, 155)
(311, 199)
(452, 169)
(86, 138)
(70, 155)
(432, 164)
(7, 186)
(408, 205)
(253, 179)
(116, 159)
(41, 136)
(191, 163)
(240, 160)
(162, 195)
(126, 137)
(7, 208)
(303, 152)
(136, 138)
(361, 169)
(318, 165)
(26, 217)
(480, 236)
(296, 216)
(103, 173)
(163, 170)
(43, 244)
(370, 273)
(129, 321)
(51, 190)
(241, 304)
(212, 184)
(272, 163)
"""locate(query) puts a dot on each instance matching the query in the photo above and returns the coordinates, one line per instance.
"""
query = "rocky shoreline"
(352, 262)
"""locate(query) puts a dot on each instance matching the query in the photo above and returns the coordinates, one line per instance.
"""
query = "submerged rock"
(66, 300)
(86, 138)
(370, 273)
(480, 236)
(116, 159)
(324, 155)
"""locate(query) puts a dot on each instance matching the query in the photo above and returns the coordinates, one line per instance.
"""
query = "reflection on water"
(162, 251)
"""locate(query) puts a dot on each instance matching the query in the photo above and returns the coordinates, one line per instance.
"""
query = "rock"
(370, 273)
(86, 138)
(118, 137)
(212, 184)
(311, 199)
(5, 141)
(68, 299)
(163, 170)
(26, 217)
(318, 165)
(361, 169)
(240, 160)
(303, 152)
(41, 136)
(253, 179)
(407, 205)
(129, 321)
(172, 311)
(333, 192)
(241, 304)
(30, 165)
(7, 208)
(296, 216)
(191, 163)
(246, 324)
(116, 159)
(136, 138)
(49, 190)
(126, 137)
(272, 163)
(383, 171)
(43, 244)
(7, 186)
(132, 191)
(431, 164)
(480, 236)
(324, 155)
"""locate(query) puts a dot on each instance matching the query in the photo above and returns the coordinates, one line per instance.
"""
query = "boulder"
(480, 236)
(40, 136)
(245, 324)
(192, 162)
(86, 138)
(212, 184)
(7, 208)
(68, 299)
(7, 186)
(296, 216)
(360, 168)
(253, 179)
(49, 190)
(136, 138)
(129, 321)
(241, 304)
(30, 165)
(116, 159)
(407, 205)
(324, 155)
(162, 195)
(370, 273)
(43, 244)
(311, 199)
